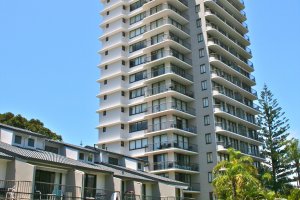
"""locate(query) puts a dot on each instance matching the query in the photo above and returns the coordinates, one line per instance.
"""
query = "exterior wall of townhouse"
(20, 171)
(3, 166)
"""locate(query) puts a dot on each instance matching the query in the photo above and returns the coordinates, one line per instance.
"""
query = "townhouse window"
(105, 97)
(198, 23)
(30, 142)
(209, 157)
(113, 161)
(205, 102)
(138, 126)
(204, 85)
(208, 138)
(107, 13)
(122, 109)
(197, 8)
(104, 129)
(106, 39)
(202, 69)
(51, 149)
(107, 25)
(137, 92)
(18, 139)
(123, 78)
(123, 93)
(104, 113)
(138, 109)
(122, 144)
(81, 156)
(122, 126)
(123, 62)
(138, 144)
(123, 48)
(211, 196)
(138, 76)
(137, 18)
(106, 67)
(201, 53)
(210, 177)
(200, 37)
(206, 120)
(103, 146)
(90, 157)
(106, 53)
(105, 82)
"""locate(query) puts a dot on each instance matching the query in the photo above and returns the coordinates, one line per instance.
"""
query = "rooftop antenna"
(81, 143)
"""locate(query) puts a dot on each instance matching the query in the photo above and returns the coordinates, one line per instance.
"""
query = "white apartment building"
(176, 86)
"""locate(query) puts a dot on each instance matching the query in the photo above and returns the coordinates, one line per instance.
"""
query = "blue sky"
(48, 59)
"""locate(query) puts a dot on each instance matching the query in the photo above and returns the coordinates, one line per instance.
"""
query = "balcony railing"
(175, 70)
(171, 125)
(168, 22)
(162, 54)
(239, 84)
(171, 105)
(164, 88)
(168, 6)
(234, 112)
(244, 150)
(172, 37)
(94, 193)
(11, 189)
(233, 66)
(172, 144)
(194, 187)
(174, 165)
(236, 97)
(231, 51)
(141, 197)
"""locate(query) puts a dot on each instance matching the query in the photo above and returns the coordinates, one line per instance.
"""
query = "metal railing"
(172, 144)
(11, 189)
(99, 194)
(172, 69)
(171, 105)
(164, 88)
(194, 187)
(244, 150)
(174, 165)
(170, 125)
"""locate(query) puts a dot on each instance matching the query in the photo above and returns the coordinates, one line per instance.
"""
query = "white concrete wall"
(3, 166)
(72, 153)
(6, 136)
(129, 163)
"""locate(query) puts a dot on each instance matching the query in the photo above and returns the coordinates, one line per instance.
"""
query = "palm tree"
(236, 179)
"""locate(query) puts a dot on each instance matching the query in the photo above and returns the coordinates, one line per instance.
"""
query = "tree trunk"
(298, 172)
(234, 195)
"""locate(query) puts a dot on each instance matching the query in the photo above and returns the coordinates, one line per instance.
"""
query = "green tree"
(295, 194)
(236, 179)
(274, 127)
(33, 125)
(294, 155)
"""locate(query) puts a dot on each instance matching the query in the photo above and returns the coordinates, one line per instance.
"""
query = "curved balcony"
(172, 126)
(178, 75)
(238, 4)
(229, 18)
(235, 99)
(174, 166)
(223, 147)
(219, 47)
(175, 146)
(179, 4)
(234, 116)
(213, 17)
(237, 133)
(240, 14)
(236, 86)
(214, 30)
(162, 57)
(113, 4)
(164, 91)
(231, 67)
(171, 108)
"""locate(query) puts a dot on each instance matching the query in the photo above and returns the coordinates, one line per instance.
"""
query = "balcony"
(224, 146)
(214, 18)
(238, 132)
(174, 165)
(240, 14)
(231, 67)
(173, 126)
(221, 34)
(217, 46)
(234, 115)
(172, 90)
(234, 98)
(10, 189)
(180, 4)
(95, 193)
(171, 108)
(238, 4)
(185, 146)
(238, 86)
(229, 16)
(193, 187)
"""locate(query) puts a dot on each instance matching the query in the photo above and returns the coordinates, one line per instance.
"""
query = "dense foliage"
(33, 125)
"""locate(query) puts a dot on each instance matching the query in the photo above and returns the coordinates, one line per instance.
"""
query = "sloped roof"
(22, 130)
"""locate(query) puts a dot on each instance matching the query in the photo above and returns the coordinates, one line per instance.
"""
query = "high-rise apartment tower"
(176, 86)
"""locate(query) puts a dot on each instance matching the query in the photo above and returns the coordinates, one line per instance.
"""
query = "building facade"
(35, 167)
(176, 86)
